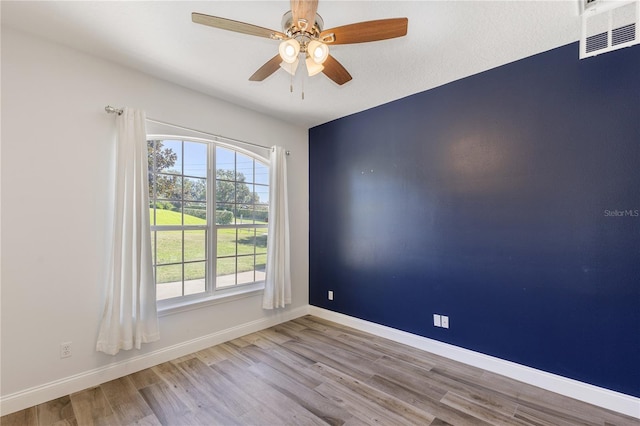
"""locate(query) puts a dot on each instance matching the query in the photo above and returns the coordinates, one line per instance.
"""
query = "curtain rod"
(119, 111)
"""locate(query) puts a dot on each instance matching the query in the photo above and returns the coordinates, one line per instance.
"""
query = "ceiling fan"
(303, 33)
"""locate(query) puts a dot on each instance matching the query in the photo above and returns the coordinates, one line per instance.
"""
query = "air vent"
(597, 42)
(608, 25)
(624, 34)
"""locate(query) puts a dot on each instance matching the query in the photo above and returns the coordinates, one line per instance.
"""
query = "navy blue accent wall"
(508, 200)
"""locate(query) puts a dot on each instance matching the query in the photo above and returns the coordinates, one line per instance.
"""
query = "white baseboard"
(595, 395)
(58, 388)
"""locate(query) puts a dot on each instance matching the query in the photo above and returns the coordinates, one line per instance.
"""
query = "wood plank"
(374, 398)
(423, 399)
(221, 392)
(58, 410)
(295, 371)
(269, 398)
(308, 398)
(91, 407)
(336, 344)
(539, 418)
(144, 378)
(183, 387)
(26, 417)
(407, 379)
(211, 356)
(127, 404)
(478, 411)
(559, 406)
(165, 404)
(345, 361)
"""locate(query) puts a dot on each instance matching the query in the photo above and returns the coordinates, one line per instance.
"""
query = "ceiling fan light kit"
(299, 37)
(313, 68)
(289, 50)
(318, 51)
(290, 67)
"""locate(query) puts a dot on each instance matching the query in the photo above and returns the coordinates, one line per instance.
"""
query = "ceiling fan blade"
(267, 69)
(361, 32)
(304, 9)
(335, 71)
(236, 26)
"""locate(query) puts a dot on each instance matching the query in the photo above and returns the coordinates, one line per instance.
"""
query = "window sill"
(170, 307)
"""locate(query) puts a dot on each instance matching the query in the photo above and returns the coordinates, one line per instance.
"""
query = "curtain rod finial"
(112, 110)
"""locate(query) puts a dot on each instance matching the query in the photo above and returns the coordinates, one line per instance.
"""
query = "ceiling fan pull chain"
(303, 87)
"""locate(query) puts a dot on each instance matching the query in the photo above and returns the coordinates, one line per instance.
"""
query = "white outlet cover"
(65, 350)
(437, 321)
(330, 295)
(444, 320)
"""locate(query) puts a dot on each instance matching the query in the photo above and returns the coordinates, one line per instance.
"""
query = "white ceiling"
(446, 40)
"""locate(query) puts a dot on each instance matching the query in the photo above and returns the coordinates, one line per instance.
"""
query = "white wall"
(56, 177)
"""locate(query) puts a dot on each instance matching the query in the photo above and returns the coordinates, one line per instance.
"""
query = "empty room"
(320, 212)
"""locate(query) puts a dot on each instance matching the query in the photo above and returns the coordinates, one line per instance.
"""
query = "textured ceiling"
(446, 40)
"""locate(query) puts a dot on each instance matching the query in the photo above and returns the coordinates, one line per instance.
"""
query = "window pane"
(261, 241)
(262, 174)
(262, 194)
(168, 187)
(195, 246)
(195, 189)
(246, 241)
(226, 243)
(194, 277)
(195, 159)
(169, 247)
(225, 164)
(246, 269)
(244, 214)
(225, 214)
(244, 193)
(261, 262)
(226, 272)
(225, 192)
(261, 214)
(168, 156)
(169, 281)
(195, 213)
(169, 274)
(168, 213)
(244, 168)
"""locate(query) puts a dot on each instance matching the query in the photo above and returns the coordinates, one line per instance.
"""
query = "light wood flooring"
(313, 372)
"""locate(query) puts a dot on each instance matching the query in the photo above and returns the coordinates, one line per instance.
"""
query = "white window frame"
(211, 295)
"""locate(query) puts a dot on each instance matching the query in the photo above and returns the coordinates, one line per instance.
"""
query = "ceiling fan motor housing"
(300, 31)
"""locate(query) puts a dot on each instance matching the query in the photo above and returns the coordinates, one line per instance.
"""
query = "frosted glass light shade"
(289, 50)
(317, 51)
(312, 67)
(290, 68)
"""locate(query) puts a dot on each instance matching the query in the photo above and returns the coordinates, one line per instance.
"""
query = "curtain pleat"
(130, 315)
(277, 291)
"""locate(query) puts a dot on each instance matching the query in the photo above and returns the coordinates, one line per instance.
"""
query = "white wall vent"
(608, 25)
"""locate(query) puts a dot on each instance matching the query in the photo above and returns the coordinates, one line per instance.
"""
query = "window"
(208, 225)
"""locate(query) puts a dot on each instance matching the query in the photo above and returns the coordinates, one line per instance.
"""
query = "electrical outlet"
(444, 321)
(65, 350)
(437, 320)
(330, 295)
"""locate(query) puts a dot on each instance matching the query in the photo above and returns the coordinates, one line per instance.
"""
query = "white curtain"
(277, 289)
(130, 314)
